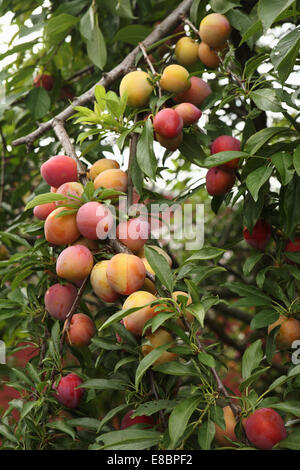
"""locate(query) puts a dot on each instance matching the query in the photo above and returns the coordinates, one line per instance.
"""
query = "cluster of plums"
(81, 224)
(214, 32)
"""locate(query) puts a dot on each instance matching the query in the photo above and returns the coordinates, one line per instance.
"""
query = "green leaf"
(257, 178)
(266, 100)
(263, 319)
(206, 434)
(254, 29)
(205, 254)
(223, 6)
(144, 152)
(96, 47)
(291, 442)
(253, 378)
(268, 11)
(296, 159)
(88, 423)
(206, 359)
(251, 262)
(58, 26)
(191, 148)
(247, 291)
(86, 24)
(133, 34)
(223, 157)
(180, 417)
(282, 162)
(284, 54)
(111, 414)
(27, 408)
(130, 439)
(38, 102)
(104, 384)
(160, 266)
(6, 433)
(148, 361)
(198, 311)
(62, 426)
(290, 207)
(45, 199)
(151, 407)
(292, 406)
(251, 358)
(260, 138)
(177, 368)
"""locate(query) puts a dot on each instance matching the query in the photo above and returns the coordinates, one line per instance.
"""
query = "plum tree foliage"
(188, 349)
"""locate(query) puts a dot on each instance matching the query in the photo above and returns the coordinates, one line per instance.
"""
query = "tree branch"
(107, 78)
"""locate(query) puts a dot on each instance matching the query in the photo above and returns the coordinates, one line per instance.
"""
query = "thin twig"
(71, 313)
(220, 385)
(154, 73)
(154, 391)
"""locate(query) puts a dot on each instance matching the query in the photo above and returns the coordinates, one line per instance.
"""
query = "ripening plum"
(92, 245)
(81, 331)
(264, 428)
(102, 165)
(168, 123)
(214, 29)
(134, 322)
(74, 263)
(44, 80)
(134, 233)
(61, 230)
(112, 179)
(209, 56)
(292, 247)
(230, 423)
(186, 51)
(100, 284)
(125, 273)
(67, 392)
(69, 190)
(127, 421)
(94, 220)
(159, 338)
(175, 79)
(138, 87)
(59, 170)
(169, 144)
(189, 113)
(289, 331)
(42, 211)
(219, 180)
(225, 143)
(196, 94)
(66, 93)
(59, 299)
(260, 236)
